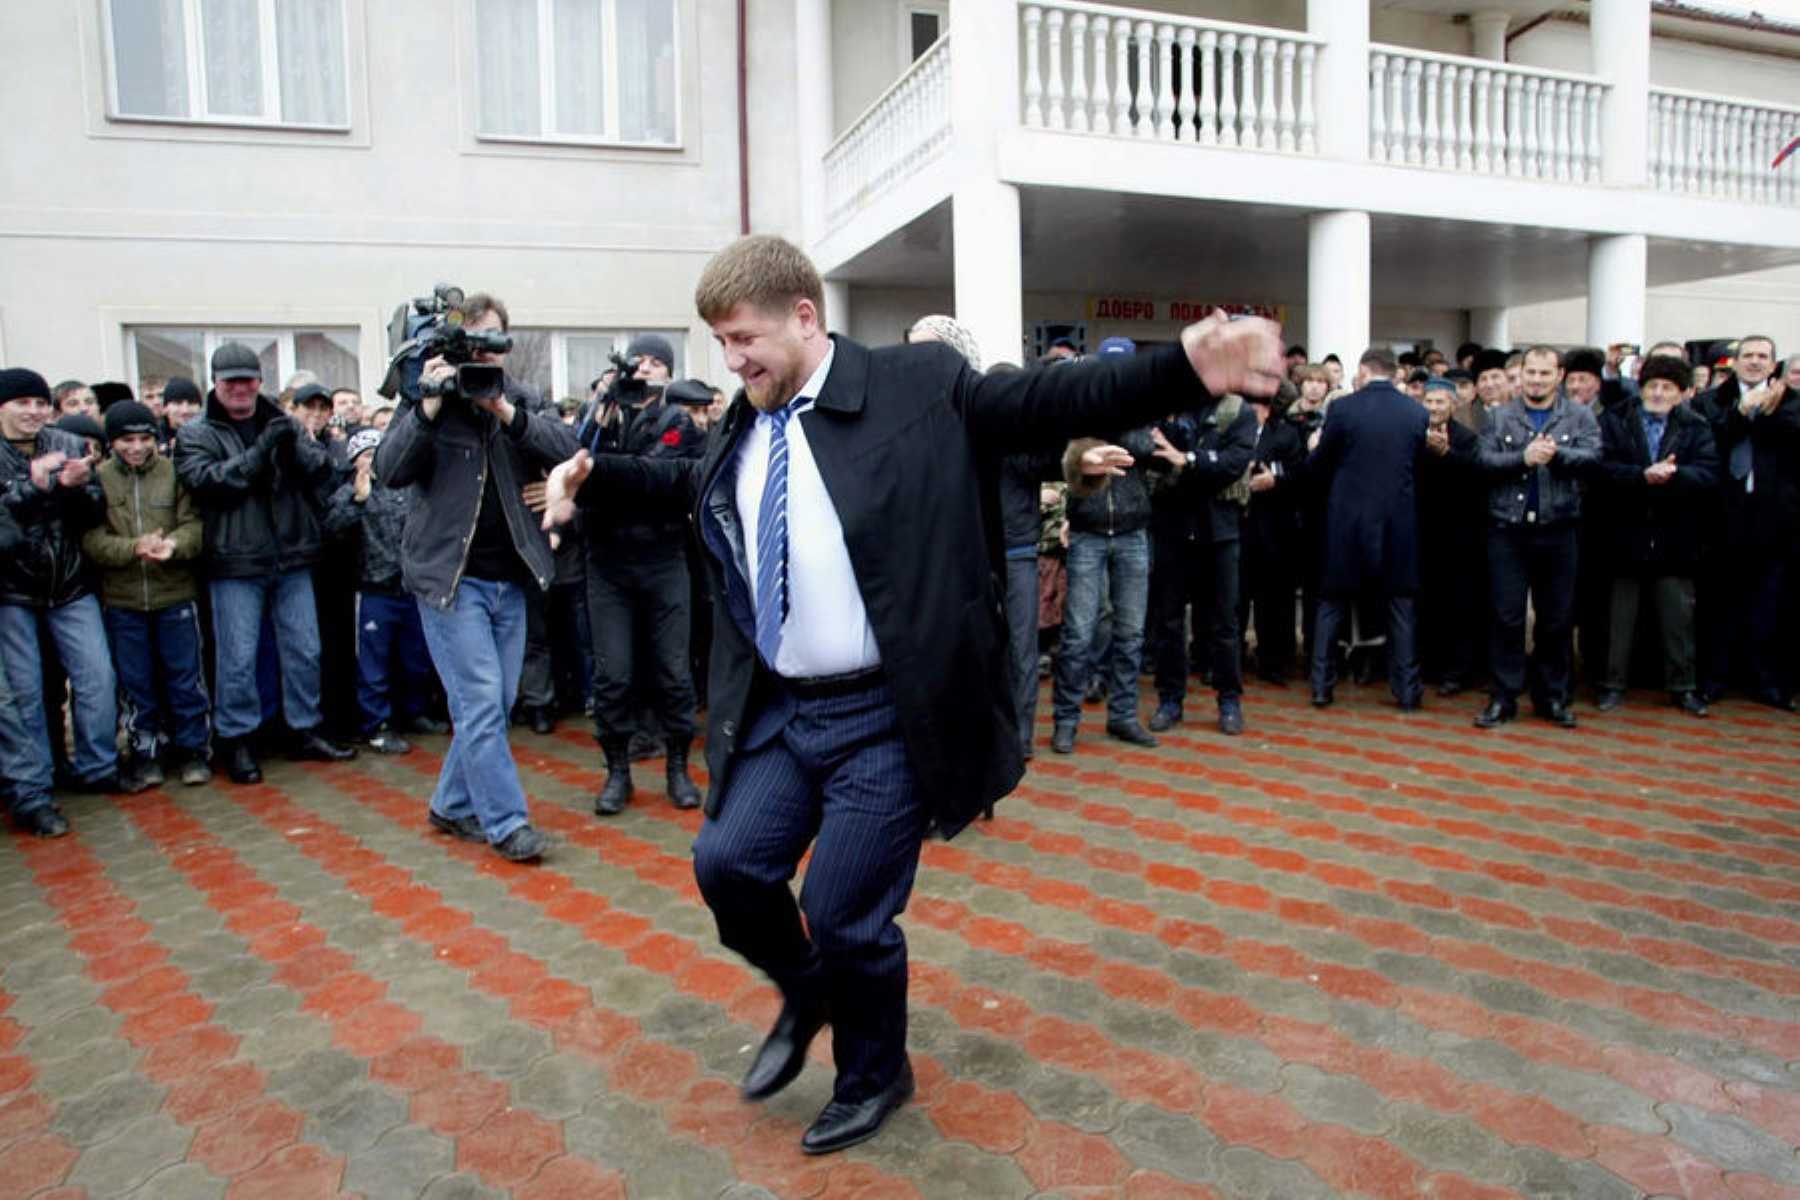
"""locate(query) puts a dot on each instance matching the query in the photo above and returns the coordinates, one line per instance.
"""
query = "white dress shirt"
(827, 629)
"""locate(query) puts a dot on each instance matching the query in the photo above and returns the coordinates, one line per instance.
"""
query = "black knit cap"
(179, 388)
(18, 383)
(1585, 360)
(1490, 360)
(81, 425)
(110, 393)
(128, 416)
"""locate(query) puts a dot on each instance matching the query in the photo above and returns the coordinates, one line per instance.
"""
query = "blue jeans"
(1022, 636)
(393, 666)
(478, 647)
(238, 608)
(157, 656)
(80, 638)
(1095, 559)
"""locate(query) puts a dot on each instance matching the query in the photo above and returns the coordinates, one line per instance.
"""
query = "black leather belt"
(823, 687)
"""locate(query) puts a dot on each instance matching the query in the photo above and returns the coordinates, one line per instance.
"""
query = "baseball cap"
(313, 393)
(1117, 345)
(234, 360)
(361, 442)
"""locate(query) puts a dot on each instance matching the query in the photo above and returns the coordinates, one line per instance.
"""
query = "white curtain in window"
(328, 353)
(506, 44)
(232, 33)
(309, 42)
(579, 35)
(150, 58)
(530, 360)
(584, 355)
(646, 65)
(166, 353)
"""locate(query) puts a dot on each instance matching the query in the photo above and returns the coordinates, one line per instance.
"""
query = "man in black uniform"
(638, 593)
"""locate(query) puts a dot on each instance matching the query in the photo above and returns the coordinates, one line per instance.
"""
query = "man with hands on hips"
(860, 682)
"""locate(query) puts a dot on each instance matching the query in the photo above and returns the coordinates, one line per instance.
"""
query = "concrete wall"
(107, 223)
(1564, 46)
(1725, 307)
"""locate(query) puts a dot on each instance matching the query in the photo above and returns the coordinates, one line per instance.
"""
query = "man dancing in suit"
(859, 679)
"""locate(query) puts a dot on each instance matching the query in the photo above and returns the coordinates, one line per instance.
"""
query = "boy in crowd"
(388, 631)
(145, 548)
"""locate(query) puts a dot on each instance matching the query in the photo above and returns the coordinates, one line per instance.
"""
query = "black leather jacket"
(261, 511)
(45, 569)
(648, 526)
(1502, 457)
(447, 461)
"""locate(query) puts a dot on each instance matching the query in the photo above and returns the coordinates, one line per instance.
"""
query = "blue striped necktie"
(772, 540)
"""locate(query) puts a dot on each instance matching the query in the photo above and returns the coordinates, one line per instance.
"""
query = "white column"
(1487, 35)
(837, 306)
(990, 300)
(1337, 285)
(984, 212)
(813, 110)
(1342, 85)
(1618, 274)
(1619, 35)
(1491, 327)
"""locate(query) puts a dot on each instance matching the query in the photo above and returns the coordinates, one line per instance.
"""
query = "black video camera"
(431, 327)
(626, 388)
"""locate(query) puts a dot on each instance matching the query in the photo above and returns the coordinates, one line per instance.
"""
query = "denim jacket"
(1502, 456)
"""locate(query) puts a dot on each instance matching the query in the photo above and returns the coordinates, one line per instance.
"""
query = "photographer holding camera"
(638, 593)
(469, 549)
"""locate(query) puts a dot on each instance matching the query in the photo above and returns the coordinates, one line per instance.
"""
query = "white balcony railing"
(1489, 118)
(1091, 68)
(906, 127)
(1722, 146)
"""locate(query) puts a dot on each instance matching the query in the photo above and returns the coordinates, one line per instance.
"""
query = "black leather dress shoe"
(1062, 739)
(45, 821)
(1558, 713)
(843, 1124)
(241, 764)
(1690, 703)
(313, 746)
(1231, 717)
(1608, 699)
(1497, 712)
(1322, 697)
(542, 723)
(1779, 700)
(783, 1052)
(1130, 731)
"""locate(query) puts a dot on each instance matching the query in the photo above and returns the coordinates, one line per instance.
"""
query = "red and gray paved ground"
(1353, 953)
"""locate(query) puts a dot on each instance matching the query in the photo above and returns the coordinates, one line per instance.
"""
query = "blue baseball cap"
(1117, 345)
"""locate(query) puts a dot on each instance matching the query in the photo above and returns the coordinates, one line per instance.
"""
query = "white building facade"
(286, 171)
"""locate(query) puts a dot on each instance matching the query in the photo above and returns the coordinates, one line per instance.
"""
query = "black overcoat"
(1365, 462)
(909, 441)
(1654, 530)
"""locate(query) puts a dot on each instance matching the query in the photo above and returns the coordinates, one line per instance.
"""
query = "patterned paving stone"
(1334, 1099)
(317, 1079)
(400, 1163)
(111, 1106)
(79, 1074)
(141, 1149)
(460, 1186)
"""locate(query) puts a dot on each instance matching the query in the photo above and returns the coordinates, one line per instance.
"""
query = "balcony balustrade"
(1477, 116)
(1723, 147)
(906, 127)
(1117, 72)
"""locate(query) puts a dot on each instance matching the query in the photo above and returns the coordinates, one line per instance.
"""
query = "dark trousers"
(537, 679)
(162, 686)
(393, 664)
(833, 773)
(1208, 572)
(1672, 599)
(335, 594)
(1450, 605)
(1402, 646)
(1744, 640)
(571, 645)
(1022, 636)
(641, 604)
(1539, 561)
(1267, 599)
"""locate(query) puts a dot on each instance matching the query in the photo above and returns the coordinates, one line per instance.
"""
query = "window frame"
(546, 26)
(621, 337)
(195, 43)
(211, 335)
(936, 8)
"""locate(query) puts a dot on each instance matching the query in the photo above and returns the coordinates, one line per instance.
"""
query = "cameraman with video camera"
(638, 594)
(470, 547)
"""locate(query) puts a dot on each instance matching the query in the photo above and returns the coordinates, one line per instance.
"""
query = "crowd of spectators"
(195, 577)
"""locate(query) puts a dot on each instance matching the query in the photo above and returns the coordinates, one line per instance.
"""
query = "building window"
(924, 26)
(563, 362)
(602, 71)
(161, 352)
(256, 62)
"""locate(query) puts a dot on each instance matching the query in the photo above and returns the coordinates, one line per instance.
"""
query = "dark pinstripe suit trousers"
(832, 773)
